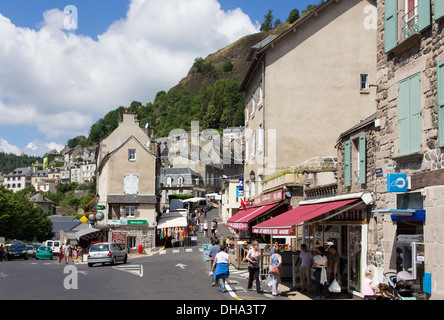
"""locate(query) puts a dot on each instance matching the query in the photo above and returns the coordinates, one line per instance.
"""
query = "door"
(354, 259)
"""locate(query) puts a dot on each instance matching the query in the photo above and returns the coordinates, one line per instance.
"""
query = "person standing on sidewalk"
(254, 258)
(320, 263)
(305, 268)
(334, 266)
(275, 265)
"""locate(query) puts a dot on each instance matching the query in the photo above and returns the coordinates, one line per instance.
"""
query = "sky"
(64, 64)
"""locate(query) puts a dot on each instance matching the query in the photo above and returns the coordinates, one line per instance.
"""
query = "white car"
(106, 252)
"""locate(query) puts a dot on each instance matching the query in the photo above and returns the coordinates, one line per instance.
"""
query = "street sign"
(100, 207)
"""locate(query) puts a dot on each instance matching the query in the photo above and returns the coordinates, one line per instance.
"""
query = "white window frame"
(131, 154)
(130, 211)
(365, 82)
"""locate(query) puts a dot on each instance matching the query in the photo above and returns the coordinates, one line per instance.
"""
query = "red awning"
(284, 224)
(240, 220)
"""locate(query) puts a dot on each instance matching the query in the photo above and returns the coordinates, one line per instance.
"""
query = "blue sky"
(55, 83)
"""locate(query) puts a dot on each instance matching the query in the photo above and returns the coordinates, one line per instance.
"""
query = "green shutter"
(409, 117)
(440, 85)
(415, 113)
(424, 15)
(347, 163)
(403, 118)
(362, 159)
(439, 9)
(391, 24)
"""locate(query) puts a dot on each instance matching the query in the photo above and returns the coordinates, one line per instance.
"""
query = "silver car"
(106, 252)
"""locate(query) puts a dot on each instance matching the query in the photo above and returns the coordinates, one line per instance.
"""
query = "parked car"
(17, 251)
(106, 252)
(30, 250)
(43, 252)
(55, 246)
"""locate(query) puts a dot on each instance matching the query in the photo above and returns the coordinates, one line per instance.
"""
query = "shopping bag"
(269, 281)
(334, 287)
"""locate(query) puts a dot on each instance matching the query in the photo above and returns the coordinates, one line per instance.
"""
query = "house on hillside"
(18, 179)
(127, 184)
(306, 86)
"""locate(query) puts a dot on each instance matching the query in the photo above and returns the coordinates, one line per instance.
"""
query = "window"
(355, 161)
(130, 211)
(132, 242)
(414, 18)
(409, 118)
(364, 82)
(131, 183)
(132, 154)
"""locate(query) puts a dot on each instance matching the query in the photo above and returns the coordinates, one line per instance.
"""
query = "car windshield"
(17, 248)
(44, 248)
(99, 247)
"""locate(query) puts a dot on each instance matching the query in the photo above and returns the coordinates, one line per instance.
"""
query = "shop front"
(340, 222)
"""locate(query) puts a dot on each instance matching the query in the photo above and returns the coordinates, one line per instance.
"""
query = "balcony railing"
(410, 23)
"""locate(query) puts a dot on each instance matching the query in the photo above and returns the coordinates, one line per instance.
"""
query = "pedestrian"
(205, 228)
(215, 249)
(368, 286)
(221, 266)
(1, 253)
(275, 266)
(334, 265)
(275, 245)
(399, 260)
(66, 251)
(213, 227)
(320, 263)
(305, 268)
(61, 254)
(254, 257)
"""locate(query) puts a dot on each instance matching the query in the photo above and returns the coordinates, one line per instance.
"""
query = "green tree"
(267, 25)
(293, 16)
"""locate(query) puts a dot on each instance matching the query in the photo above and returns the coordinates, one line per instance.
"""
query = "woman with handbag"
(275, 265)
(320, 263)
(254, 257)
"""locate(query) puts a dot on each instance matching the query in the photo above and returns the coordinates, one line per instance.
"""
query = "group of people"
(326, 269)
(220, 262)
(67, 251)
(196, 224)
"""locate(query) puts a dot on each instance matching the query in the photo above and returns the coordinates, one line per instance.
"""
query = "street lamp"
(252, 176)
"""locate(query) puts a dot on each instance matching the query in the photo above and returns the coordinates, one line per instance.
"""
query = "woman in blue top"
(221, 267)
(275, 265)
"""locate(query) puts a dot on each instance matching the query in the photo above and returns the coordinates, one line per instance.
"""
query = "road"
(172, 274)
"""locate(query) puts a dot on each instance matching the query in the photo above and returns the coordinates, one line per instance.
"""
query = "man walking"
(305, 268)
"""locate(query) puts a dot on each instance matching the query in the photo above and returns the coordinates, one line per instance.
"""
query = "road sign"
(100, 207)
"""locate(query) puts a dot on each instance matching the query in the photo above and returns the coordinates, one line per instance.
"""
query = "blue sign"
(396, 182)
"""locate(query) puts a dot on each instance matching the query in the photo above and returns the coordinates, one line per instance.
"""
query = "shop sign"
(275, 231)
(352, 215)
(270, 197)
(396, 182)
(127, 222)
(119, 236)
(100, 207)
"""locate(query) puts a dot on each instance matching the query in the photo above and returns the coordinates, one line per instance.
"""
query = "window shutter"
(391, 24)
(409, 118)
(415, 113)
(131, 183)
(439, 9)
(347, 163)
(362, 159)
(424, 15)
(403, 118)
(440, 86)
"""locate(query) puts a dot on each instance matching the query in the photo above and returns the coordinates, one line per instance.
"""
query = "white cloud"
(62, 82)
(9, 148)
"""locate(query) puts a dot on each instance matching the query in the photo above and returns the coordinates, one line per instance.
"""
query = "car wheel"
(113, 261)
(124, 260)
(90, 265)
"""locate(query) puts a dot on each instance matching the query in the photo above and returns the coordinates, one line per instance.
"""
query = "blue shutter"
(403, 118)
(362, 159)
(415, 113)
(409, 117)
(439, 9)
(424, 15)
(347, 164)
(440, 88)
(391, 24)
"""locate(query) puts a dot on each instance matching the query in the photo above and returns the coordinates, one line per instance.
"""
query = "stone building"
(410, 110)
